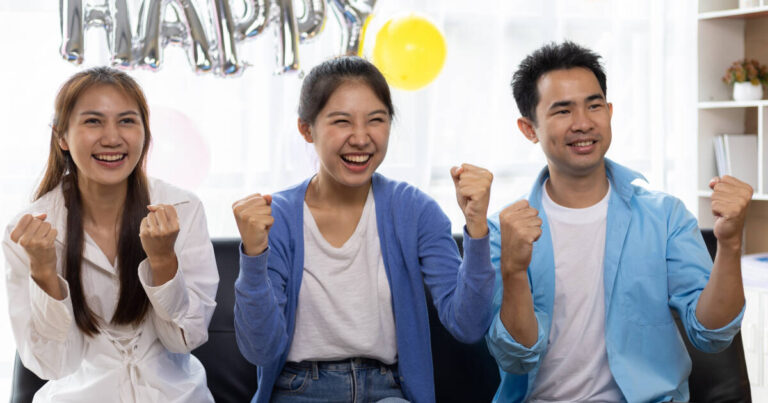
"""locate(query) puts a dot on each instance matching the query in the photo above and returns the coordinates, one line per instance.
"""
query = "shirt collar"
(621, 179)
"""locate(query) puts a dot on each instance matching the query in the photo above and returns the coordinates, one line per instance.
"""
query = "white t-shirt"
(575, 367)
(345, 304)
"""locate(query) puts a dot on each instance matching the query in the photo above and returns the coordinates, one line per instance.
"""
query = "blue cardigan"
(417, 249)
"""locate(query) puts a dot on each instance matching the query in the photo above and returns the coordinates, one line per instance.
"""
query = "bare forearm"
(723, 297)
(48, 280)
(517, 313)
(163, 269)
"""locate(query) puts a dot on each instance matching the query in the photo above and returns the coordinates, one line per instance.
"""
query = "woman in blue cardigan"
(330, 300)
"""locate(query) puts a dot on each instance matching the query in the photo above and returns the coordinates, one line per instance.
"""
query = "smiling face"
(350, 134)
(105, 136)
(573, 122)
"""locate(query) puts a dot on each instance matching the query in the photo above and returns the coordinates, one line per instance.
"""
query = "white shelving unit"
(727, 33)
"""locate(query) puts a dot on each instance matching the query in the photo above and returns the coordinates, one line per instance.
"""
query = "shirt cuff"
(50, 317)
(724, 333)
(170, 301)
(477, 251)
(498, 332)
(253, 269)
(512, 356)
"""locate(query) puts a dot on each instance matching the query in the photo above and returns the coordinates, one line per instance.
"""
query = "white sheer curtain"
(226, 138)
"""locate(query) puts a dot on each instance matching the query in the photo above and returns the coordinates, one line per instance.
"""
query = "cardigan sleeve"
(461, 289)
(261, 296)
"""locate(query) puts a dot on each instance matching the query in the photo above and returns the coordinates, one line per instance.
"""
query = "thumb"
(456, 174)
(268, 198)
(714, 181)
(41, 216)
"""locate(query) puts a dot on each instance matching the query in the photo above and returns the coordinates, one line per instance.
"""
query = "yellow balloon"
(409, 51)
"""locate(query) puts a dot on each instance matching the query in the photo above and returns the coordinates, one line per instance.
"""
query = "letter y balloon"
(209, 30)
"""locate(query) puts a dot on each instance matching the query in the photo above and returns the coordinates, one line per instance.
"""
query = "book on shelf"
(736, 155)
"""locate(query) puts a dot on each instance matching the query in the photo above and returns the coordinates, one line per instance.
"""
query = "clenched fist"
(158, 232)
(37, 238)
(473, 190)
(254, 219)
(520, 228)
(730, 198)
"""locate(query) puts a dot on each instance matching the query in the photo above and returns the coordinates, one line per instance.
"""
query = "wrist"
(42, 275)
(477, 228)
(164, 261)
(254, 250)
(731, 246)
(514, 275)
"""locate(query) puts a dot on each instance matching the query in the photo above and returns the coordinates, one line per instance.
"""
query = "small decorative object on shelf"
(748, 78)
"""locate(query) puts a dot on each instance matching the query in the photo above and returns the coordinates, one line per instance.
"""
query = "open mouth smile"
(356, 162)
(109, 159)
(356, 159)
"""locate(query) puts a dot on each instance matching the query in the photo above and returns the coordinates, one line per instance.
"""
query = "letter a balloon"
(409, 51)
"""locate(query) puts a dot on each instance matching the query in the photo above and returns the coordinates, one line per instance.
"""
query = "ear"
(63, 142)
(528, 129)
(306, 130)
(610, 110)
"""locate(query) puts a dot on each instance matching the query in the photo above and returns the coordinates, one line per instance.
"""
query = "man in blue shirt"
(589, 265)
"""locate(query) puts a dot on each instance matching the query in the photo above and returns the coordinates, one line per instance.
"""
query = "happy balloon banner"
(209, 34)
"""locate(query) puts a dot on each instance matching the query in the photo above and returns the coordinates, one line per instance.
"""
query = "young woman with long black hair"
(111, 276)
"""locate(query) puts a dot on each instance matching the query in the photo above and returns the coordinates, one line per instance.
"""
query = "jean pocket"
(393, 377)
(292, 380)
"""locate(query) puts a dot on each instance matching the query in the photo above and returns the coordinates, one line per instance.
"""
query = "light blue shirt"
(655, 259)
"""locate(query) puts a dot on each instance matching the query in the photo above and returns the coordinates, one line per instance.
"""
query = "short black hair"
(325, 78)
(552, 56)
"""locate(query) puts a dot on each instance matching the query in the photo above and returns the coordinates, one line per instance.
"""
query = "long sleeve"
(261, 297)
(511, 356)
(462, 297)
(47, 338)
(689, 266)
(183, 306)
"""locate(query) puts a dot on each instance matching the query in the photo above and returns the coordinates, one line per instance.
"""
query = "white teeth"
(583, 143)
(109, 157)
(357, 158)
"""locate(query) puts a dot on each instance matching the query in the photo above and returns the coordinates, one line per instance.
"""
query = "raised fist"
(520, 228)
(730, 199)
(254, 219)
(37, 238)
(158, 232)
(473, 190)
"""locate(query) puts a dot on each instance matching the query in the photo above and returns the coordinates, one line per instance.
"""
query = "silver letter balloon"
(207, 29)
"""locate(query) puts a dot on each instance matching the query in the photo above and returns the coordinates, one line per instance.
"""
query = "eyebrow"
(97, 113)
(563, 104)
(340, 113)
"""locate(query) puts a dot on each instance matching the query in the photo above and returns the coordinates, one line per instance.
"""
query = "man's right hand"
(254, 219)
(520, 228)
(37, 238)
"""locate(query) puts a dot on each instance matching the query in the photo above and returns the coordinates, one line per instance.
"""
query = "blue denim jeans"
(355, 380)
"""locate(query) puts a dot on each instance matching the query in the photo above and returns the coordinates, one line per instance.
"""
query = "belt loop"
(383, 368)
(315, 372)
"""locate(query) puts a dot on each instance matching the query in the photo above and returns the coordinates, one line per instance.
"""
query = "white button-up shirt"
(145, 363)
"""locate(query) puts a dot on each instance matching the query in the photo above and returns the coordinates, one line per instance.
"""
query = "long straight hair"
(133, 303)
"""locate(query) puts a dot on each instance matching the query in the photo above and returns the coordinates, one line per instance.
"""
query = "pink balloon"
(179, 154)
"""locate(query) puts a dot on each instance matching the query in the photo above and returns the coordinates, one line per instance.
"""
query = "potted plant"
(748, 78)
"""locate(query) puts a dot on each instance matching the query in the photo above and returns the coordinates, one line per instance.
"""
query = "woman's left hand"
(158, 233)
(473, 191)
